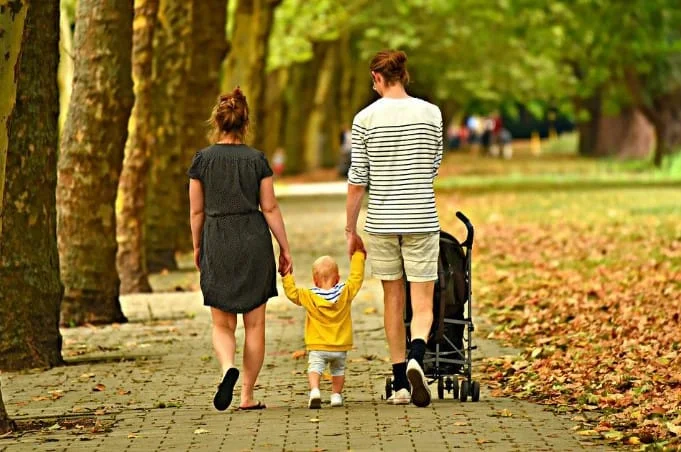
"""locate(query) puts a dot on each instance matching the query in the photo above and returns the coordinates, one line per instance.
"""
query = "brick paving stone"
(159, 376)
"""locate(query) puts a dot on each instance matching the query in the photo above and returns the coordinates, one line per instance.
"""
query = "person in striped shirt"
(397, 149)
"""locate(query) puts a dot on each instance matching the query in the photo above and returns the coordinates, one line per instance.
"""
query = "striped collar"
(330, 295)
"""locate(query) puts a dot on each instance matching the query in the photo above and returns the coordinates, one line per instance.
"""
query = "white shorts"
(392, 255)
(318, 358)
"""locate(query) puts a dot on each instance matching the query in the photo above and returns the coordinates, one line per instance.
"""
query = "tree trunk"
(299, 94)
(667, 134)
(322, 133)
(347, 81)
(274, 105)
(65, 75)
(165, 190)
(92, 151)
(5, 421)
(628, 134)
(247, 60)
(663, 111)
(362, 94)
(30, 291)
(589, 130)
(667, 122)
(130, 259)
(12, 23)
(208, 49)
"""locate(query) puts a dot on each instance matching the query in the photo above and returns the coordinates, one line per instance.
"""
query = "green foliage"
(298, 24)
(497, 52)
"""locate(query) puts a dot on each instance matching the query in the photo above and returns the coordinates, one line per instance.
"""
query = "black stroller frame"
(451, 358)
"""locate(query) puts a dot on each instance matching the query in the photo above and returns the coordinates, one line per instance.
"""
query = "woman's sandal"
(223, 397)
(257, 406)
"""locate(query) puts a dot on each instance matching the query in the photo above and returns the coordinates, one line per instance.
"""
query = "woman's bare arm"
(196, 213)
(270, 209)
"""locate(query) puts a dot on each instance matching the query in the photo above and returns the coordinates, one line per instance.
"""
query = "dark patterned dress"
(238, 271)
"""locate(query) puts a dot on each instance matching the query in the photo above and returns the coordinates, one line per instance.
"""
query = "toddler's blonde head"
(325, 272)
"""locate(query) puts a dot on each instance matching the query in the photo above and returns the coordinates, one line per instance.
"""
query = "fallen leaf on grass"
(675, 429)
(123, 392)
(613, 435)
(483, 441)
(99, 387)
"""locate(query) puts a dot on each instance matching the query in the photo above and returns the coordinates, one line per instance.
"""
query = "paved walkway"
(149, 383)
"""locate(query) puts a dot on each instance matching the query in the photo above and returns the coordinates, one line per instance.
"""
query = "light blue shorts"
(317, 362)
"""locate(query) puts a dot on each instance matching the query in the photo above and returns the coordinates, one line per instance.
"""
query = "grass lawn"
(579, 263)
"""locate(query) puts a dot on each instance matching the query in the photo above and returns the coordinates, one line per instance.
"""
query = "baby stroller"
(449, 347)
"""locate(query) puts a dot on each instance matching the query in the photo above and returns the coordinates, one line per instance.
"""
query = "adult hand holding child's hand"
(355, 243)
(285, 263)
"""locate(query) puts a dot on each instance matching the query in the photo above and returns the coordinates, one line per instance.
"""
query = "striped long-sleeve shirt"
(397, 150)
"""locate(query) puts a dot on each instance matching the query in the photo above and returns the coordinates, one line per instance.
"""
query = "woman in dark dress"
(233, 209)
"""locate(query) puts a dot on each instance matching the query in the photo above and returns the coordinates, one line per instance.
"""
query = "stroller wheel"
(440, 388)
(475, 393)
(388, 387)
(455, 387)
(465, 387)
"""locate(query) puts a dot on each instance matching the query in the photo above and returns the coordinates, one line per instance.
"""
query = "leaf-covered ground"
(587, 279)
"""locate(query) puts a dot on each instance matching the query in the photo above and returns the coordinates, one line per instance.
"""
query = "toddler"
(328, 323)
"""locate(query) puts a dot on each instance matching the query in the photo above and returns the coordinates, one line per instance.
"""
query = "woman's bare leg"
(224, 341)
(254, 353)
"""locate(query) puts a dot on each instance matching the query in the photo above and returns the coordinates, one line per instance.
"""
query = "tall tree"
(5, 421)
(92, 151)
(275, 106)
(65, 77)
(247, 60)
(12, 18)
(29, 263)
(130, 260)
(12, 23)
(208, 50)
(165, 191)
(299, 97)
(321, 135)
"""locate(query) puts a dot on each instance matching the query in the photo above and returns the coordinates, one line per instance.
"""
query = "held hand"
(355, 243)
(360, 246)
(197, 258)
(285, 263)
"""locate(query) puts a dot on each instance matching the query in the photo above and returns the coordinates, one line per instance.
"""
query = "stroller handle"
(470, 230)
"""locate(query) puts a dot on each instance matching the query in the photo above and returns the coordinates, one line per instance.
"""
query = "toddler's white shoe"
(336, 399)
(315, 401)
(400, 397)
